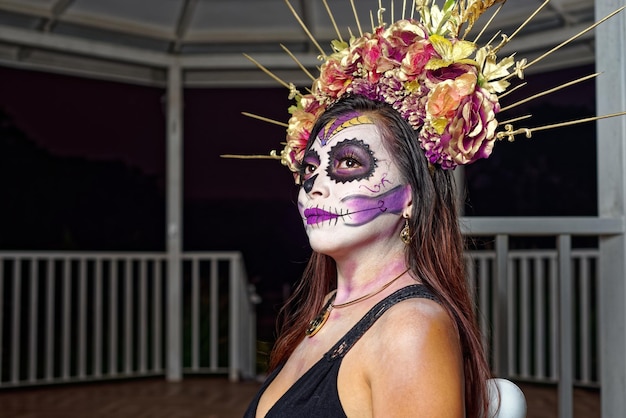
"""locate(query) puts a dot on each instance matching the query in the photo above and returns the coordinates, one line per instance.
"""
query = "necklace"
(318, 322)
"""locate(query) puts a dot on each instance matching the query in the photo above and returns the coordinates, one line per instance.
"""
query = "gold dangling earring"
(405, 234)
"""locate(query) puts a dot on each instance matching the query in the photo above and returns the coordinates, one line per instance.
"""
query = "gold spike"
(506, 93)
(470, 13)
(332, 19)
(302, 67)
(380, 12)
(510, 121)
(392, 12)
(403, 8)
(552, 90)
(576, 122)
(252, 157)
(306, 30)
(264, 119)
(268, 72)
(356, 17)
(372, 20)
(413, 9)
(508, 39)
(509, 133)
(489, 23)
(536, 60)
(494, 37)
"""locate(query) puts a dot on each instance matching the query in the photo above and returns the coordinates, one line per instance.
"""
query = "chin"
(326, 241)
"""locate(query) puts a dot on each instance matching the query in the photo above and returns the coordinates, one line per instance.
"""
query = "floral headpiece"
(443, 85)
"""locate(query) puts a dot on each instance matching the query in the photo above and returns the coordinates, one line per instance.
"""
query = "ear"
(408, 203)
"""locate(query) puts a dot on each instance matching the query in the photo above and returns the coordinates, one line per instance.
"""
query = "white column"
(611, 97)
(174, 221)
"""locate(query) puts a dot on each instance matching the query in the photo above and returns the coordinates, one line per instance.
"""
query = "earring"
(405, 234)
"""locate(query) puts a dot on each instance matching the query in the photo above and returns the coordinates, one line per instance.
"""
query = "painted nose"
(309, 183)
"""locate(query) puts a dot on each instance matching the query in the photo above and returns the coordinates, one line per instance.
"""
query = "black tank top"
(315, 393)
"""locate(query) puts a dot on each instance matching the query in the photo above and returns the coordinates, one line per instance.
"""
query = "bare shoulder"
(416, 320)
(415, 364)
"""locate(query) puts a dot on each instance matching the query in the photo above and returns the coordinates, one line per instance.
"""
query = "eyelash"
(307, 169)
(349, 156)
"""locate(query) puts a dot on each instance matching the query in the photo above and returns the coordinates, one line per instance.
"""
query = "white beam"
(542, 226)
(240, 62)
(611, 97)
(174, 228)
(84, 47)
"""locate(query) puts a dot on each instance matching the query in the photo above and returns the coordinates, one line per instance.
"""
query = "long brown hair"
(435, 254)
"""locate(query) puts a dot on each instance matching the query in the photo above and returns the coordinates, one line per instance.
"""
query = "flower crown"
(443, 85)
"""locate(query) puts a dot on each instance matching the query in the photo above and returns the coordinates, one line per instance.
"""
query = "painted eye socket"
(310, 163)
(351, 160)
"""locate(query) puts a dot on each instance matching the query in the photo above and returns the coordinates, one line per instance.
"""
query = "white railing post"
(214, 315)
(2, 353)
(234, 320)
(252, 338)
(501, 314)
(566, 362)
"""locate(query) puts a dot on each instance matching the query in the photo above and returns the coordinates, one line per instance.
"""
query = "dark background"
(82, 168)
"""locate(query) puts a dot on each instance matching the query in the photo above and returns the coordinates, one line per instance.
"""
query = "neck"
(357, 279)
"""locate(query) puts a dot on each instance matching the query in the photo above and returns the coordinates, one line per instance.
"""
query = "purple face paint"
(361, 209)
(342, 122)
(364, 209)
(351, 160)
(317, 215)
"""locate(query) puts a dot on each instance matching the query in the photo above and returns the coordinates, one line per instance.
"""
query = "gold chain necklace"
(318, 322)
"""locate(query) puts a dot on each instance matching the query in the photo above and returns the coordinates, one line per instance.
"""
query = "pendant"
(318, 322)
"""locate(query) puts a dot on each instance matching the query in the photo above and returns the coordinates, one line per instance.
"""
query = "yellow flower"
(450, 53)
(492, 72)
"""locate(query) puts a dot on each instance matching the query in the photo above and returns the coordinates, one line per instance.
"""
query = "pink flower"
(403, 33)
(332, 80)
(371, 54)
(417, 55)
(448, 73)
(447, 96)
(471, 134)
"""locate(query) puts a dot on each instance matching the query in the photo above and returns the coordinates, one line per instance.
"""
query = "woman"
(381, 324)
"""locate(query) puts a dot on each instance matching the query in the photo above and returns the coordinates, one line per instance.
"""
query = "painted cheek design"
(351, 160)
(364, 209)
(360, 210)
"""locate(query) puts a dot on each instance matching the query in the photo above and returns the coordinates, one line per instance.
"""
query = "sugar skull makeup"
(350, 180)
(349, 160)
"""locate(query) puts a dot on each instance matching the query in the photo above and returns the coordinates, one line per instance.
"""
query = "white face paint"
(352, 192)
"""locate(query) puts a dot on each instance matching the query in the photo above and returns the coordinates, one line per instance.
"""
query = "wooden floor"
(206, 397)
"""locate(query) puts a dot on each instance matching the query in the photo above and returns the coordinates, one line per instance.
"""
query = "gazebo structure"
(177, 44)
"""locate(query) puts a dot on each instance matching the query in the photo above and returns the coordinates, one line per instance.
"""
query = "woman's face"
(352, 192)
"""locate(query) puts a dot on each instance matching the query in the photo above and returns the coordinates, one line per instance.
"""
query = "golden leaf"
(474, 10)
